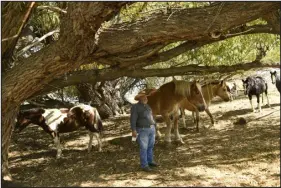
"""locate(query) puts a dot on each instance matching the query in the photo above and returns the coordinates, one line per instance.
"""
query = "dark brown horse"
(55, 121)
(165, 101)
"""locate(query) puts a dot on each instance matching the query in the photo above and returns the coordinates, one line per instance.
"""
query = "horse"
(275, 80)
(165, 101)
(232, 88)
(255, 86)
(57, 121)
(209, 91)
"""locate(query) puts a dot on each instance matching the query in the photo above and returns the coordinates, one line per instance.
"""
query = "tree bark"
(13, 21)
(78, 27)
(88, 95)
(112, 73)
(104, 96)
(179, 25)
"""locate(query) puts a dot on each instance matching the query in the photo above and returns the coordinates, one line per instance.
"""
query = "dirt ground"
(224, 155)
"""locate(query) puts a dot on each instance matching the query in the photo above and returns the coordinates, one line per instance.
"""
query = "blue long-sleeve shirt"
(141, 116)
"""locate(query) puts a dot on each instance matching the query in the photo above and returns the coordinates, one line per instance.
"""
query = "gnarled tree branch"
(91, 76)
(184, 24)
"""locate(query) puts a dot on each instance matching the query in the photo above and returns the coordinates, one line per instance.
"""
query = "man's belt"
(144, 126)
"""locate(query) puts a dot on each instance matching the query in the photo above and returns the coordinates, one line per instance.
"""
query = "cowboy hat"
(145, 92)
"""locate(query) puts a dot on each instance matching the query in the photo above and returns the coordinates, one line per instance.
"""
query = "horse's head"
(273, 76)
(27, 117)
(223, 91)
(196, 97)
(247, 84)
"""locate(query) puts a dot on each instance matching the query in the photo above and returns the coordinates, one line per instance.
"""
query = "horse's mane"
(33, 111)
(182, 87)
(213, 82)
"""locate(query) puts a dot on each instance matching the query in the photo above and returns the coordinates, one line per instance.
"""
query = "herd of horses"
(167, 100)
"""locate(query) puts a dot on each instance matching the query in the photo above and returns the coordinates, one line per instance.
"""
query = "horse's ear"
(274, 72)
(243, 80)
(222, 82)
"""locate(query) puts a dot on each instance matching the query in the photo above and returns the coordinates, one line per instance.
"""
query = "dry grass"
(224, 155)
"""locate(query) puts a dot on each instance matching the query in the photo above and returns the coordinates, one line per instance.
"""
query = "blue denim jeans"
(146, 140)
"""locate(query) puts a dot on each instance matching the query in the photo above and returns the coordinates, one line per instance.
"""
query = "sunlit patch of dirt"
(224, 155)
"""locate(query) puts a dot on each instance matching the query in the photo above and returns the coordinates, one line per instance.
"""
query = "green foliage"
(45, 20)
(71, 92)
(232, 51)
(227, 52)
(141, 10)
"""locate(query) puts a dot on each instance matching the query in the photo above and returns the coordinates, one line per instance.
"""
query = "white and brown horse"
(165, 101)
(57, 121)
(209, 91)
(275, 80)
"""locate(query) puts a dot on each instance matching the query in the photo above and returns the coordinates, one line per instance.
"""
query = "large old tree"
(124, 49)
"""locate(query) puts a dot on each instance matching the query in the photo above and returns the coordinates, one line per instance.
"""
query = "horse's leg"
(267, 98)
(250, 98)
(258, 101)
(158, 133)
(97, 135)
(90, 141)
(176, 129)
(197, 120)
(168, 128)
(57, 143)
(193, 117)
(210, 115)
(183, 117)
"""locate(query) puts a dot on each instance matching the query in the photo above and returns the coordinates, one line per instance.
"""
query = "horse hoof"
(168, 143)
(180, 141)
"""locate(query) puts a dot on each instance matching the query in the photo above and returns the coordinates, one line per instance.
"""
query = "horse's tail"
(98, 121)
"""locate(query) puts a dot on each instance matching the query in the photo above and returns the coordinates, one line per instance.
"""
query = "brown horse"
(165, 101)
(55, 121)
(209, 90)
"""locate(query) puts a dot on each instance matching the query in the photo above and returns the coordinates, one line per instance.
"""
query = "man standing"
(143, 127)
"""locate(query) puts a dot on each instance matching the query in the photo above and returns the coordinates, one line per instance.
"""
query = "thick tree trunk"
(103, 96)
(34, 73)
(88, 95)
(15, 16)
(6, 132)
